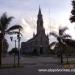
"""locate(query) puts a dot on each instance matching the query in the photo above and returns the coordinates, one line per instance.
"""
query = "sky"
(56, 13)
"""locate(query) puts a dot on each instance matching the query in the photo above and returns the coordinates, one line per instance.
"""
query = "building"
(39, 44)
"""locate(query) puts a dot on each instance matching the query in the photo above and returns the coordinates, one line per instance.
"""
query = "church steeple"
(40, 22)
(39, 11)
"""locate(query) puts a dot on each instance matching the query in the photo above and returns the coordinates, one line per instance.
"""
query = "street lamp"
(14, 49)
(13, 40)
(18, 37)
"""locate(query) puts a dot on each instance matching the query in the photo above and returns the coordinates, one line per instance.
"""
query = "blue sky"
(55, 13)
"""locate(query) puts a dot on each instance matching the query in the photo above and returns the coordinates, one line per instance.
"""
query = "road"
(32, 70)
(31, 60)
(33, 65)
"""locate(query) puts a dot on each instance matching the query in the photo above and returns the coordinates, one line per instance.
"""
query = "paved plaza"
(33, 65)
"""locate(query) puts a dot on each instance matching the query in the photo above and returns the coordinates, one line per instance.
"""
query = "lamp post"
(13, 40)
(15, 48)
(18, 37)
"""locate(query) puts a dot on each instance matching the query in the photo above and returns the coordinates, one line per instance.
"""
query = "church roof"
(33, 39)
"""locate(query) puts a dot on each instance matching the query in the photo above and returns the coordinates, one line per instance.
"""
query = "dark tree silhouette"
(71, 46)
(5, 47)
(4, 23)
(70, 42)
(72, 18)
(59, 38)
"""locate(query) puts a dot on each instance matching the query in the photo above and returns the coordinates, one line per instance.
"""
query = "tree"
(70, 42)
(60, 36)
(4, 23)
(71, 45)
(72, 18)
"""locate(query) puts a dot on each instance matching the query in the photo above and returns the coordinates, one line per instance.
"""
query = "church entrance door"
(41, 50)
(35, 52)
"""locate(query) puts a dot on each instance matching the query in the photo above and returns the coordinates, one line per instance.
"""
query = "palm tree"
(60, 36)
(4, 23)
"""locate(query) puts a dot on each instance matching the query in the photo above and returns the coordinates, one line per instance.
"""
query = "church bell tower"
(40, 28)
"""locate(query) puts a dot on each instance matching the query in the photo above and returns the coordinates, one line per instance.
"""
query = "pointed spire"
(39, 10)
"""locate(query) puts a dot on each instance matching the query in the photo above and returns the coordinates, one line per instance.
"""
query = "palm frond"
(73, 3)
(52, 44)
(53, 34)
(9, 19)
(14, 32)
(61, 31)
(4, 21)
(70, 42)
(66, 36)
(14, 28)
(72, 19)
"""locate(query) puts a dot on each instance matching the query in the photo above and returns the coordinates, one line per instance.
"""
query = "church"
(39, 44)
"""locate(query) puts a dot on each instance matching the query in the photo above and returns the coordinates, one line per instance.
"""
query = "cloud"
(27, 29)
(55, 13)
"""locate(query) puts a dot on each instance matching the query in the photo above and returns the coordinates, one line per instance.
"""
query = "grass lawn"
(8, 66)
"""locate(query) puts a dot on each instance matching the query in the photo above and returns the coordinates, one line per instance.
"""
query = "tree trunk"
(0, 52)
(1, 47)
(61, 52)
(61, 59)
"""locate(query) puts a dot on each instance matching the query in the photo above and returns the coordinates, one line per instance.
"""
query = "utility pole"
(18, 37)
